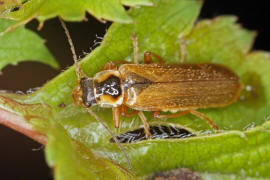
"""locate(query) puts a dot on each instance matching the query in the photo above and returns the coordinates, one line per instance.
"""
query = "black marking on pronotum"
(158, 132)
(111, 86)
(88, 96)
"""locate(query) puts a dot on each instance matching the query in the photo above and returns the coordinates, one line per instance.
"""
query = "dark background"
(22, 158)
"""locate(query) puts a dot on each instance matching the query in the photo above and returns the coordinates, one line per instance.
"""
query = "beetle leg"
(147, 54)
(81, 73)
(196, 113)
(113, 65)
(123, 112)
(157, 114)
(124, 109)
(145, 125)
(135, 47)
(109, 66)
(77, 92)
(116, 115)
(204, 117)
(148, 58)
(182, 50)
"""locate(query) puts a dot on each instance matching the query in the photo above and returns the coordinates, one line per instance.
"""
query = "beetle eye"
(88, 96)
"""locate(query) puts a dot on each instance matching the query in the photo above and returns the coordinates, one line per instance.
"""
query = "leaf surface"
(21, 45)
(70, 10)
(72, 160)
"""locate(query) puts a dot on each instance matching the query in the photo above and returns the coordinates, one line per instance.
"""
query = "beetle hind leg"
(182, 113)
(204, 117)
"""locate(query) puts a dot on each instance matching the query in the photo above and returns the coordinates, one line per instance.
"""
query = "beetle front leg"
(116, 116)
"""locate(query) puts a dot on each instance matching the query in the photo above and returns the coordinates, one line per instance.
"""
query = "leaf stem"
(19, 124)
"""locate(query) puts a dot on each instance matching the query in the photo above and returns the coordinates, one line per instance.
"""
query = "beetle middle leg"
(109, 66)
(145, 125)
(123, 112)
(124, 109)
(157, 114)
(148, 58)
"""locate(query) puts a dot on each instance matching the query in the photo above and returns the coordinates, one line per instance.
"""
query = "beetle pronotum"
(154, 87)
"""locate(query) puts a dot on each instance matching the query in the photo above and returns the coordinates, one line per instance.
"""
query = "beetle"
(154, 87)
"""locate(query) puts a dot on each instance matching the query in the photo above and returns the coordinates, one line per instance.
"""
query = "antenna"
(75, 59)
(79, 75)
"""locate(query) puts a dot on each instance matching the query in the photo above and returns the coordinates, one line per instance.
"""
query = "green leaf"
(241, 149)
(73, 160)
(70, 10)
(21, 45)
(137, 2)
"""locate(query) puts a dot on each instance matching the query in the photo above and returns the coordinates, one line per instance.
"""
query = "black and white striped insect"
(158, 132)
